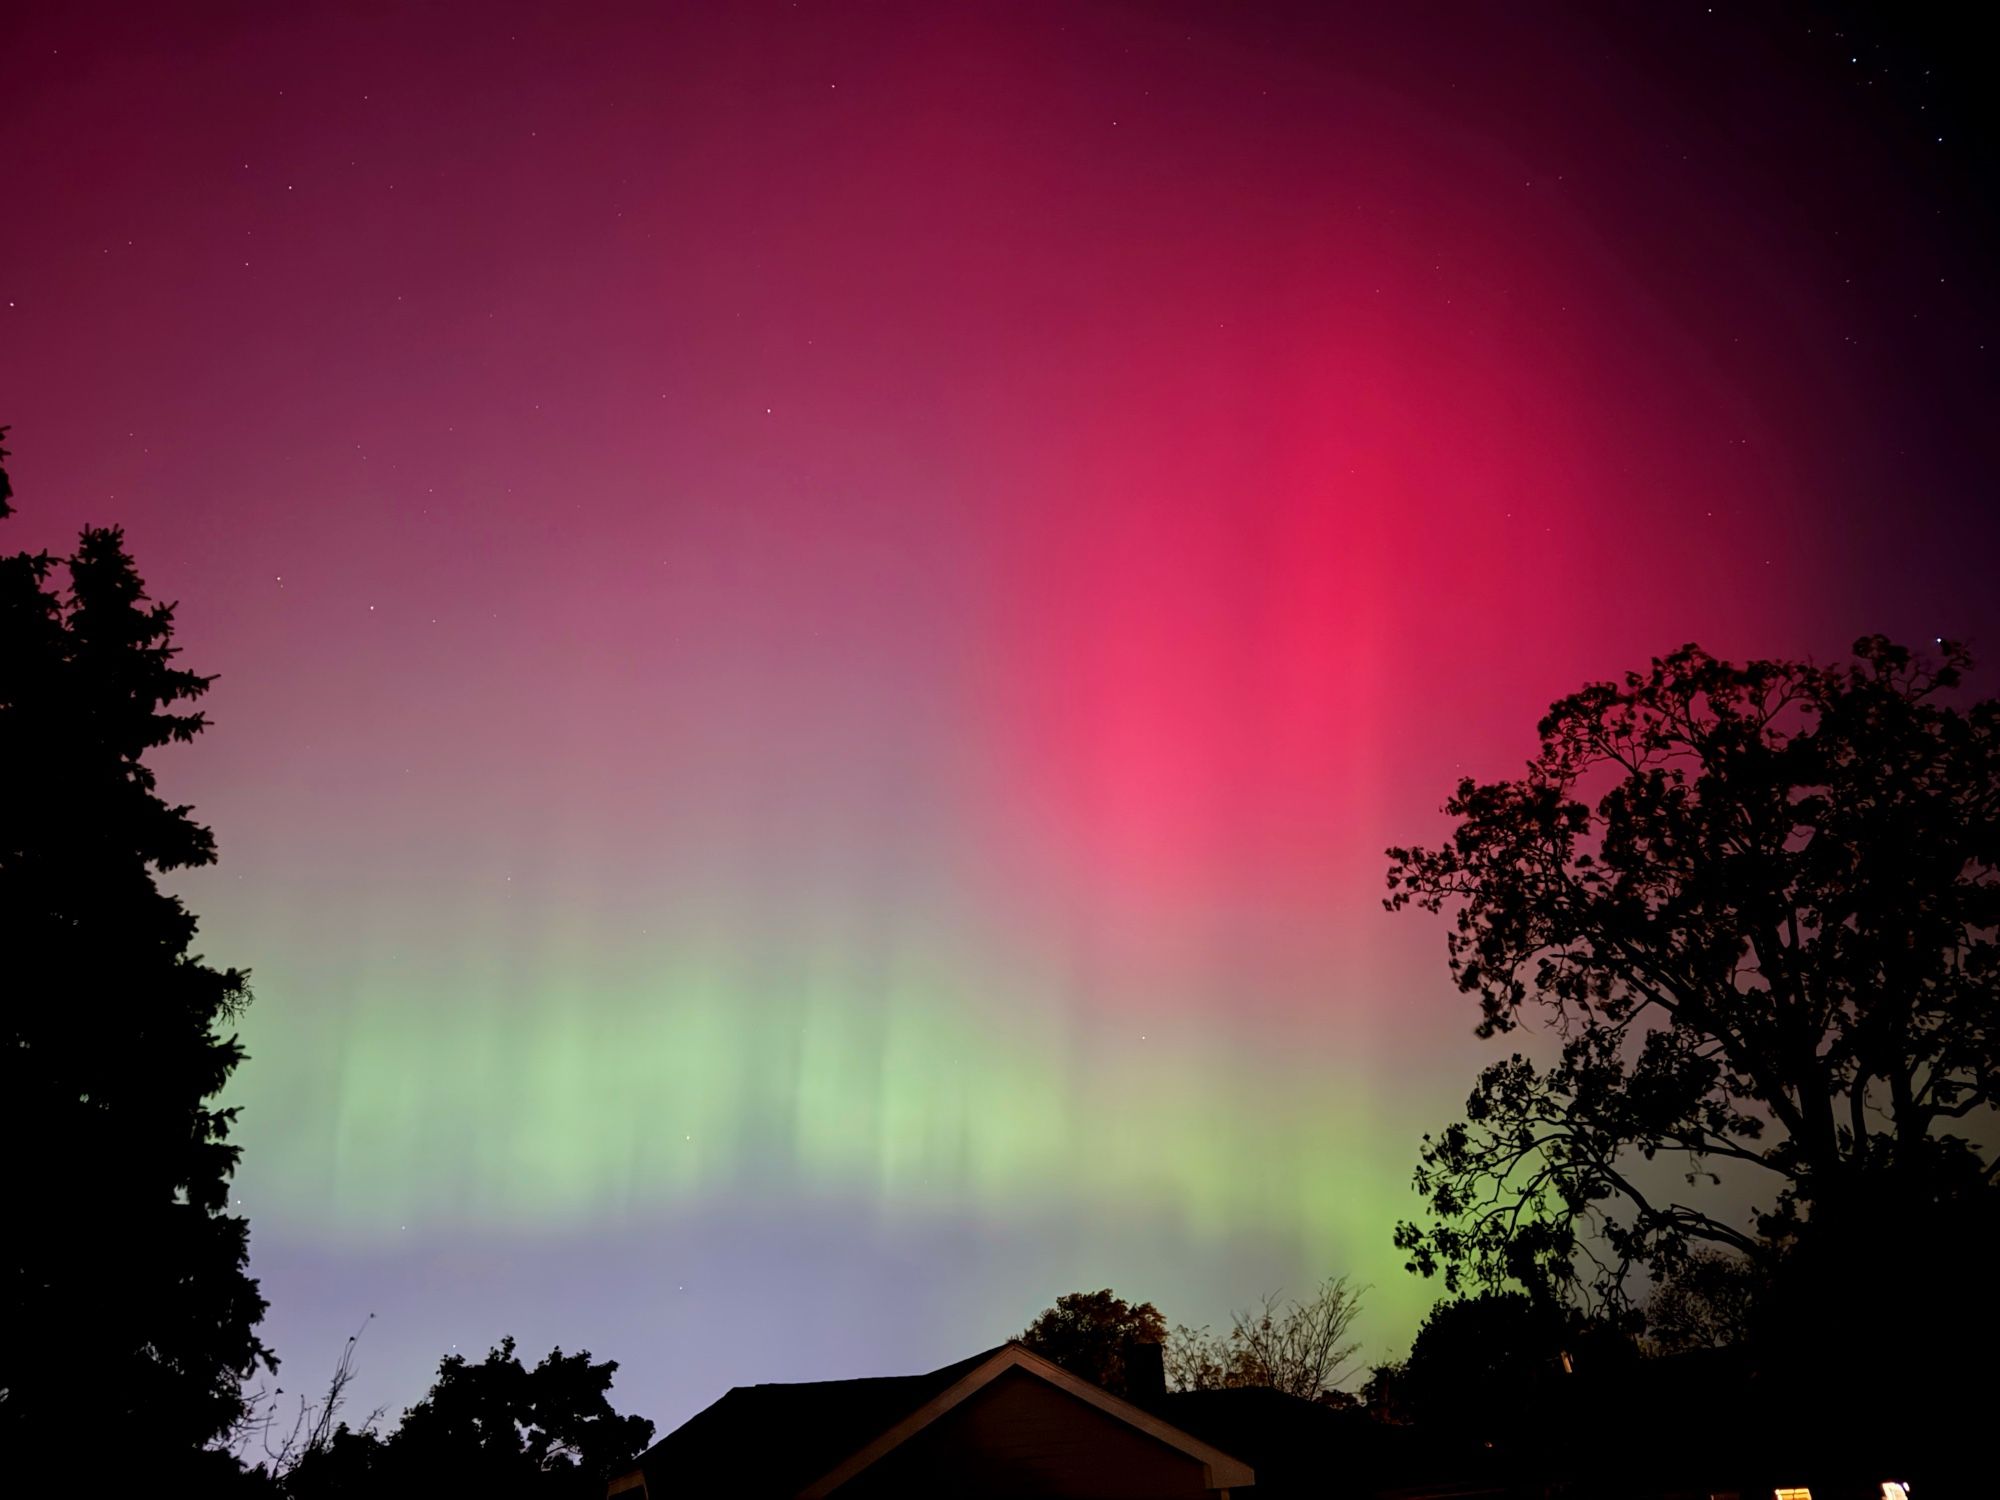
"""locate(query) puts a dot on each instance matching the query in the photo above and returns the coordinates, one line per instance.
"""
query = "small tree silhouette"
(1301, 1348)
(1086, 1333)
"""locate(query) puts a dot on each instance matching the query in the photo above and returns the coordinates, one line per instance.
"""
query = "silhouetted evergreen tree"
(128, 1319)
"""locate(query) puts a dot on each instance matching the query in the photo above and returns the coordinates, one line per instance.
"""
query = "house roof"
(822, 1421)
(807, 1439)
(1305, 1448)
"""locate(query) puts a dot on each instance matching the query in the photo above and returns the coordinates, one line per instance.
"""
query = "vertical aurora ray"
(958, 1080)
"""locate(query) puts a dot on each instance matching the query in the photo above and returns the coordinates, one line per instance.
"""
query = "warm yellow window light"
(1792, 1492)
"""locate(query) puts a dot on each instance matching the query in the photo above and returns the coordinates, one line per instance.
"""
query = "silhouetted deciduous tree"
(1483, 1367)
(1300, 1348)
(127, 1314)
(1705, 1302)
(1086, 1333)
(1757, 906)
(1383, 1393)
(316, 1428)
(491, 1428)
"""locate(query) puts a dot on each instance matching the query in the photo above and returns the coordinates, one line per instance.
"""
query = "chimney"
(1145, 1373)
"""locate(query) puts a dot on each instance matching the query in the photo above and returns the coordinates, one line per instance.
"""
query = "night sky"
(824, 610)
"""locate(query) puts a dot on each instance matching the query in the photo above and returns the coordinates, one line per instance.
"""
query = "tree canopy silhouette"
(1483, 1367)
(127, 1306)
(1300, 1348)
(1705, 1302)
(1756, 905)
(491, 1428)
(1086, 1333)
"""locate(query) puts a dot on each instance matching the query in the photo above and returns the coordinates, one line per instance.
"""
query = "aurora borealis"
(823, 612)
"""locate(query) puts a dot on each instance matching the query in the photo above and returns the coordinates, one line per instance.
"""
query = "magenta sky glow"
(824, 611)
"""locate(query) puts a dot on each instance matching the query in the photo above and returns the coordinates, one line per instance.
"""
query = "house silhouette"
(1003, 1422)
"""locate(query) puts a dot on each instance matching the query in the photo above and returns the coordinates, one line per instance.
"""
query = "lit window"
(1792, 1492)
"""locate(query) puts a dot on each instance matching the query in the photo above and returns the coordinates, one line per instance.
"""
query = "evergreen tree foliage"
(128, 1312)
